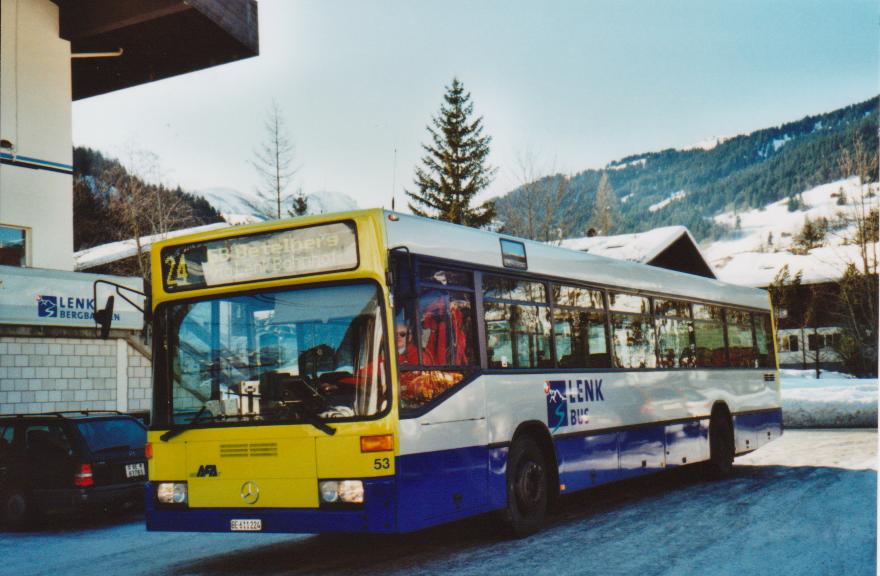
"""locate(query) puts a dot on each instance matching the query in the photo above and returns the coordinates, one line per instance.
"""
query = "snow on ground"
(833, 401)
(666, 202)
(804, 504)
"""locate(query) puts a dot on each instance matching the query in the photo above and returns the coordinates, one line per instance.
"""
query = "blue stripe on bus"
(432, 488)
(376, 516)
(437, 487)
(753, 430)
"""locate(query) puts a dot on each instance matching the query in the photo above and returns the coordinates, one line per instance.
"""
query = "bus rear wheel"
(527, 494)
(721, 449)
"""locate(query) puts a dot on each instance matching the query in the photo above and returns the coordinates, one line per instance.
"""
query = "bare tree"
(857, 160)
(274, 163)
(537, 214)
(143, 205)
(857, 307)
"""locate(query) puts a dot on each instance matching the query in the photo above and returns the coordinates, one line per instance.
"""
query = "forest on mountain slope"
(111, 203)
(746, 171)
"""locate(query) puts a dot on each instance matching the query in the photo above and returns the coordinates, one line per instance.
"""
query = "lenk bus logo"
(67, 307)
(567, 401)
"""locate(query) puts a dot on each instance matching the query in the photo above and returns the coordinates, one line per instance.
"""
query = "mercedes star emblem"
(250, 492)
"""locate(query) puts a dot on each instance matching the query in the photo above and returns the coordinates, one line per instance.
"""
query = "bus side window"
(579, 327)
(632, 332)
(447, 328)
(709, 337)
(518, 323)
(436, 335)
(740, 341)
(764, 335)
(674, 331)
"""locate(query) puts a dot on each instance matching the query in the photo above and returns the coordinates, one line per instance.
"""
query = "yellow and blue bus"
(379, 372)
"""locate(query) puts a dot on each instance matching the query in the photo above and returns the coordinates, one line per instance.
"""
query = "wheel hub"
(530, 484)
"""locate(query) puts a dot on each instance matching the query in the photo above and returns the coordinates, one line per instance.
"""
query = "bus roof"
(447, 241)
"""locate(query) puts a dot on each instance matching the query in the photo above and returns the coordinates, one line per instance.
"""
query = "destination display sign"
(264, 256)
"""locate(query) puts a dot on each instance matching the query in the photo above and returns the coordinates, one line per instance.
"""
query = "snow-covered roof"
(641, 247)
(759, 269)
(114, 251)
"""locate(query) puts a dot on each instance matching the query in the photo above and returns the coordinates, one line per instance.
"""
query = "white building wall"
(35, 116)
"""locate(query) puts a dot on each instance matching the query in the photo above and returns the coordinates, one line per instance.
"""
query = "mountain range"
(690, 186)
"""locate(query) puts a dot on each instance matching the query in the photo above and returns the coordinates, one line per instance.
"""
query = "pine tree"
(454, 166)
(299, 205)
(604, 207)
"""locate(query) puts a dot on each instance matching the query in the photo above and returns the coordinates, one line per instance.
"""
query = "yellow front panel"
(342, 458)
(273, 493)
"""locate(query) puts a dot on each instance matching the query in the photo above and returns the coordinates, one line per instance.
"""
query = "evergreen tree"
(604, 207)
(454, 168)
(811, 235)
(299, 205)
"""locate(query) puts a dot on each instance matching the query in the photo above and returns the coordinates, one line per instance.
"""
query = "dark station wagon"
(69, 461)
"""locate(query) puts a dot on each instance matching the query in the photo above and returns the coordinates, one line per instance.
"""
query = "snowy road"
(803, 505)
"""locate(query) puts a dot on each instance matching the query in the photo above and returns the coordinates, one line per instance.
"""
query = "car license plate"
(250, 525)
(135, 470)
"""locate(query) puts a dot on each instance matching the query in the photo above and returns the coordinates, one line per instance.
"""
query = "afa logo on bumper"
(568, 401)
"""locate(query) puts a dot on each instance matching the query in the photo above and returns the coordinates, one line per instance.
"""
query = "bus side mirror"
(104, 317)
(148, 302)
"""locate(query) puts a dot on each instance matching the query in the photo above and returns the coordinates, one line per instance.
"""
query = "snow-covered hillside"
(765, 236)
(231, 205)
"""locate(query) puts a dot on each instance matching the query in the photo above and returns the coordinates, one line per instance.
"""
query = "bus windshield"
(274, 357)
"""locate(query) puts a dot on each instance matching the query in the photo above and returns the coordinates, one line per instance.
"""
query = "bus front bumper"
(376, 515)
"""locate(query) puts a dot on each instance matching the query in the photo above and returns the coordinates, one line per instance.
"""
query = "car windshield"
(113, 433)
(284, 356)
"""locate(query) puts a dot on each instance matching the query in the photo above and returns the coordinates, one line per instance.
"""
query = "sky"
(562, 86)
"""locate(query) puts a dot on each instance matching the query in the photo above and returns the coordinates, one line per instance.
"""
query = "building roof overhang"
(670, 247)
(158, 38)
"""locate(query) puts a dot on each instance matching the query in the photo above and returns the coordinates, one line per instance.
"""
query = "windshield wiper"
(180, 430)
(312, 418)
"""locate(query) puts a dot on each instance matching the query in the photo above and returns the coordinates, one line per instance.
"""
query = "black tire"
(527, 489)
(721, 447)
(15, 508)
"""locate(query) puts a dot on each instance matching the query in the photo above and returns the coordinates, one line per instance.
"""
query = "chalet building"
(670, 247)
(51, 54)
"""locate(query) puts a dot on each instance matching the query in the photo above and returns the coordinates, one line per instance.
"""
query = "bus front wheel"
(527, 494)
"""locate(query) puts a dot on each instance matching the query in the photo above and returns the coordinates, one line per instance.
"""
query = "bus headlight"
(171, 493)
(342, 491)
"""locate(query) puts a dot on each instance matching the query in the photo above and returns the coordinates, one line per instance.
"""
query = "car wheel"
(527, 494)
(14, 508)
(721, 449)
